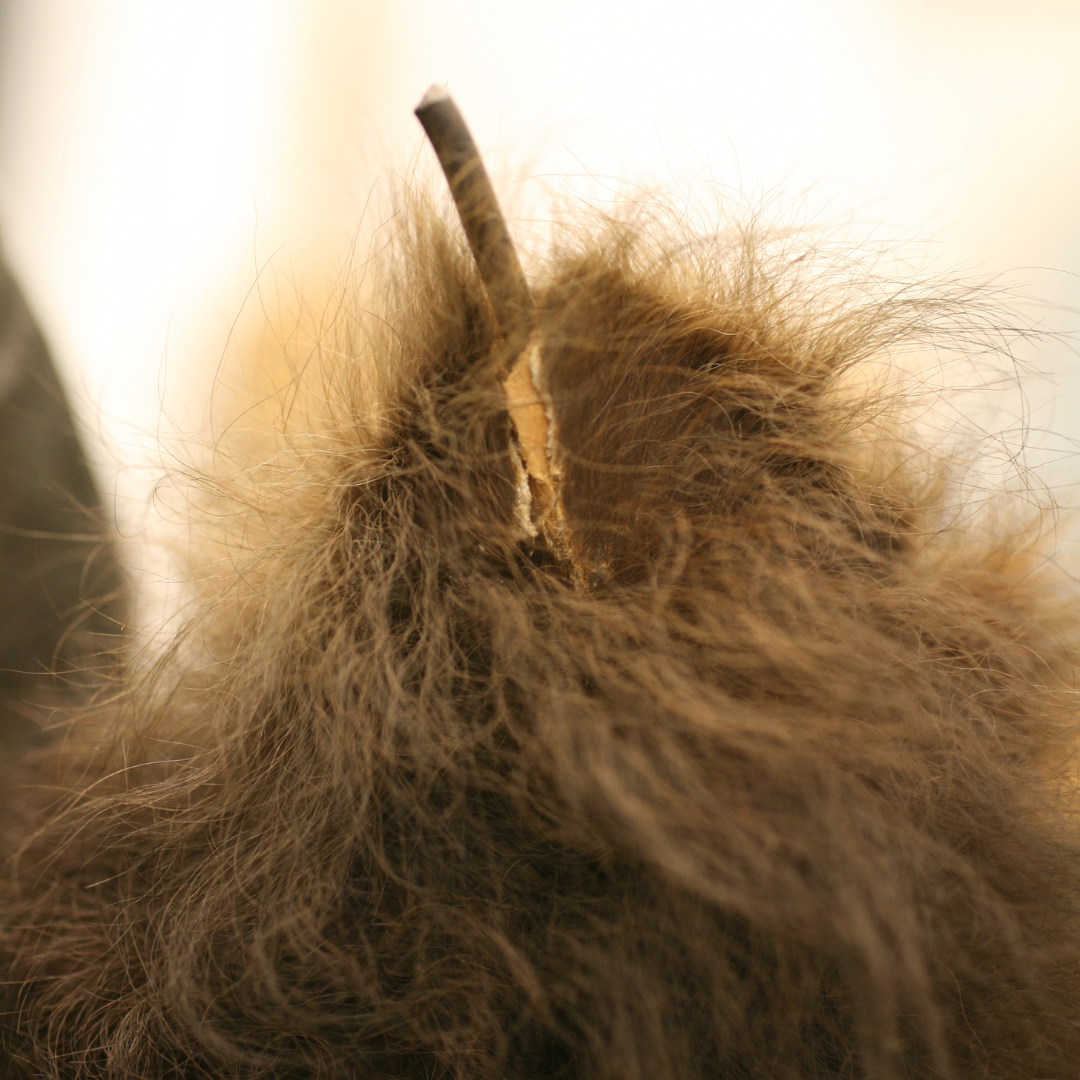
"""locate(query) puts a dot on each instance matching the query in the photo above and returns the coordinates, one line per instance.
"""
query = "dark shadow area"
(61, 592)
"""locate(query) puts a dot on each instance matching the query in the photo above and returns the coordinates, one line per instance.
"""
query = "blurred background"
(155, 155)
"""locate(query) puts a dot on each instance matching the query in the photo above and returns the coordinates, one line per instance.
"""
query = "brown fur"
(782, 794)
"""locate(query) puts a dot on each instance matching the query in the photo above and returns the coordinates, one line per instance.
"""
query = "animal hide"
(741, 755)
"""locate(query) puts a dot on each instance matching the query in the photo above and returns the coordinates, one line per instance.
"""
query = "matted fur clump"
(778, 789)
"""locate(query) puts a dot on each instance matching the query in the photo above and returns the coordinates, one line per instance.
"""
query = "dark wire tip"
(483, 222)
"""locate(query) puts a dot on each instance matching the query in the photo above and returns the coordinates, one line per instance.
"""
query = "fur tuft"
(779, 791)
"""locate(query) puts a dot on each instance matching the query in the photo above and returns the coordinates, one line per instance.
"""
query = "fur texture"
(782, 792)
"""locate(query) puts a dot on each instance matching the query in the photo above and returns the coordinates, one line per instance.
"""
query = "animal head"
(587, 703)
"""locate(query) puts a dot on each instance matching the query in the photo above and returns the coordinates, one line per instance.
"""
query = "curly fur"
(783, 794)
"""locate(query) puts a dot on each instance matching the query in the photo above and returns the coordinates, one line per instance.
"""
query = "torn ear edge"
(536, 453)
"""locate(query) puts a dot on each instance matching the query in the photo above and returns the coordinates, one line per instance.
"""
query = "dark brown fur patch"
(781, 794)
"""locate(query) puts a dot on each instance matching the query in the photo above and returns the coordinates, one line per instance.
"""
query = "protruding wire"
(484, 224)
(537, 462)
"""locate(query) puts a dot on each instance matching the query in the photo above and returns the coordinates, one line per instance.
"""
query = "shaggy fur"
(781, 793)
